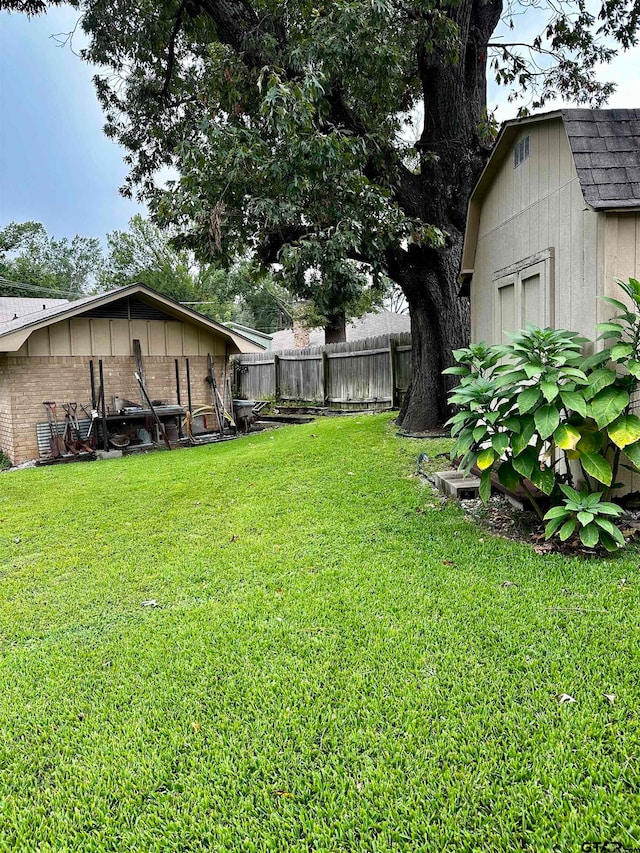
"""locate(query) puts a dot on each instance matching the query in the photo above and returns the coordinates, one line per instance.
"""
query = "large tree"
(28, 255)
(286, 123)
(144, 253)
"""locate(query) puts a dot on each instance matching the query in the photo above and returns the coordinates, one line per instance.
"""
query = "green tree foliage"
(538, 412)
(287, 126)
(146, 254)
(30, 256)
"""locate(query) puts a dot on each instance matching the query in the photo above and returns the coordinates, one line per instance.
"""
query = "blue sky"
(56, 165)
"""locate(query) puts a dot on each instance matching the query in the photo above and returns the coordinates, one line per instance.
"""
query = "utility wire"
(32, 288)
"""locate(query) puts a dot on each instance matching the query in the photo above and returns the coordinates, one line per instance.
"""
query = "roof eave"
(12, 340)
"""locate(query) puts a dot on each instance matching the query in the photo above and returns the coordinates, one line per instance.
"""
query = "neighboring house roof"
(259, 337)
(606, 150)
(369, 326)
(13, 333)
(20, 306)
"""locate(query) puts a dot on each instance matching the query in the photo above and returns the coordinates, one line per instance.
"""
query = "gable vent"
(128, 308)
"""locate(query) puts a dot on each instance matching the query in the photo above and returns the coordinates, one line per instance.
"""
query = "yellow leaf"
(486, 459)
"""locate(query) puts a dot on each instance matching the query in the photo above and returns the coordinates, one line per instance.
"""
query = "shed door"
(506, 313)
(524, 295)
(533, 302)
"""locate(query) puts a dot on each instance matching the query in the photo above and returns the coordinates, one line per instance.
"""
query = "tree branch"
(172, 48)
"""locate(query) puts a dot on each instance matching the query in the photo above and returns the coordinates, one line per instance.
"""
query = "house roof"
(14, 332)
(262, 338)
(606, 150)
(12, 307)
(369, 326)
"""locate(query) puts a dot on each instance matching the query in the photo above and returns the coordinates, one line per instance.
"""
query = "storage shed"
(553, 221)
(49, 347)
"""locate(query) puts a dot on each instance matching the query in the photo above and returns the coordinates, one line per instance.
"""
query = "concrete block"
(108, 454)
(456, 485)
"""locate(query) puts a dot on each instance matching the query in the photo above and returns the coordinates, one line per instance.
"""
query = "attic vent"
(128, 308)
(521, 151)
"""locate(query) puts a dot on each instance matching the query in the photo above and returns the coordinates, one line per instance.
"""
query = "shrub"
(537, 411)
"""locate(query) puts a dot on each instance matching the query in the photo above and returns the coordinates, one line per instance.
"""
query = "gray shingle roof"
(21, 306)
(67, 309)
(606, 151)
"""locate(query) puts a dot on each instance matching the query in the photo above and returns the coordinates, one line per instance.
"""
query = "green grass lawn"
(333, 664)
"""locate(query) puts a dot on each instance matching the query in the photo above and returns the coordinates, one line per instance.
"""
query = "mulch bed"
(502, 519)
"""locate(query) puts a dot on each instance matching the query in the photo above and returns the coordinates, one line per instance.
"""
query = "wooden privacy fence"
(373, 371)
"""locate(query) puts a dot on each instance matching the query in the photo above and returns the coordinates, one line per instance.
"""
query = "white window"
(521, 151)
(524, 295)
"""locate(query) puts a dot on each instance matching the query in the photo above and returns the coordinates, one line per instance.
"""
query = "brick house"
(46, 347)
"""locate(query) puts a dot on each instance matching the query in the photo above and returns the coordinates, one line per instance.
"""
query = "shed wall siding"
(26, 381)
(528, 210)
(102, 337)
(621, 254)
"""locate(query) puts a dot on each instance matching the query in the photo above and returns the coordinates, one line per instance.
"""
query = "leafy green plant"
(537, 412)
(587, 513)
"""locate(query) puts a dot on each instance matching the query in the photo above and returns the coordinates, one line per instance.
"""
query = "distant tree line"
(32, 263)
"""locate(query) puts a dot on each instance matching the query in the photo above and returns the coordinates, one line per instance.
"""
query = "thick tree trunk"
(335, 331)
(439, 324)
(453, 153)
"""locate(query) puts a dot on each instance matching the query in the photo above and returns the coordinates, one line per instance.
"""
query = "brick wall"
(26, 381)
(6, 423)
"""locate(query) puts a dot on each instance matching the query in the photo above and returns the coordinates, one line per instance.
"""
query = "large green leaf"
(598, 467)
(544, 479)
(595, 359)
(479, 432)
(549, 390)
(611, 529)
(508, 476)
(500, 442)
(520, 442)
(633, 452)
(625, 430)
(533, 369)
(513, 424)
(459, 370)
(553, 525)
(485, 485)
(610, 329)
(633, 367)
(546, 419)
(567, 528)
(526, 462)
(527, 399)
(608, 404)
(575, 402)
(590, 535)
(621, 351)
(615, 302)
(598, 380)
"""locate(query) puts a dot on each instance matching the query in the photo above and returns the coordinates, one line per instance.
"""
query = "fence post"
(325, 378)
(276, 377)
(392, 362)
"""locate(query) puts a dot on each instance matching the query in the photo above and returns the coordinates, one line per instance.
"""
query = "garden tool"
(57, 441)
